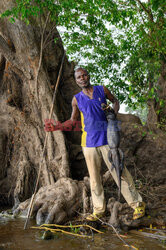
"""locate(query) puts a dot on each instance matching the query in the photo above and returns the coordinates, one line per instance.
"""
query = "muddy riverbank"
(13, 236)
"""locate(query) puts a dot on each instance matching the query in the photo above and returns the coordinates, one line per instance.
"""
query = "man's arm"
(113, 99)
(74, 115)
(49, 126)
(75, 111)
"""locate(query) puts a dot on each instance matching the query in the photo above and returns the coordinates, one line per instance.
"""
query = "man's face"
(82, 78)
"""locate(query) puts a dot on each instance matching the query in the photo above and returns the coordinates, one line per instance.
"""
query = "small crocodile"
(115, 155)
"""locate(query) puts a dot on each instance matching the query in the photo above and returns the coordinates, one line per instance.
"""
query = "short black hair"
(79, 69)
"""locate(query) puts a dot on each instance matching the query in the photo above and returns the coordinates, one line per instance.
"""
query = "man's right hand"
(69, 125)
(49, 126)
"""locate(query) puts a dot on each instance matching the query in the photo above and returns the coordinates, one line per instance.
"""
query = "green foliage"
(141, 112)
(146, 50)
(121, 42)
(74, 230)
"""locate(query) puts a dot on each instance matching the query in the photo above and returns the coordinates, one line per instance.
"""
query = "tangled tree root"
(122, 216)
(59, 202)
(55, 203)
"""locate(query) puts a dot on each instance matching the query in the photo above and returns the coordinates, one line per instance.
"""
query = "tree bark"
(23, 109)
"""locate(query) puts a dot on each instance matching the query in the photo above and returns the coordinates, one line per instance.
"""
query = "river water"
(13, 236)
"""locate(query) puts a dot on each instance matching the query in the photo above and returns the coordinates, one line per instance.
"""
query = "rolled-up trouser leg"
(93, 161)
(128, 189)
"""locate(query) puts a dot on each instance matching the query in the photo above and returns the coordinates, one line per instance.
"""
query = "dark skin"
(83, 80)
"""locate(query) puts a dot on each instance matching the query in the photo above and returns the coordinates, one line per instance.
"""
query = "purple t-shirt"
(93, 119)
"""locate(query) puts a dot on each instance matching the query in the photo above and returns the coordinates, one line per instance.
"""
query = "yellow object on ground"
(94, 217)
(48, 227)
(139, 211)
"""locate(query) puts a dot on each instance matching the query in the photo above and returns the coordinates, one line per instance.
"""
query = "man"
(94, 143)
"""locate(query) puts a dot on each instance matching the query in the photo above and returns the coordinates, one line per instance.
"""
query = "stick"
(118, 235)
(30, 209)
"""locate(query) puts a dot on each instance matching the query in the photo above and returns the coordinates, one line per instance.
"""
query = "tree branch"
(11, 57)
(145, 9)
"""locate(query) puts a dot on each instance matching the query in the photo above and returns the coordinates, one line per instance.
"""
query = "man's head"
(82, 77)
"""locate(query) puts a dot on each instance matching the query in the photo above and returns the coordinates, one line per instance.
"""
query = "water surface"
(13, 236)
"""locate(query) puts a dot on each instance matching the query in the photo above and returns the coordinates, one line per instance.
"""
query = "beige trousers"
(93, 157)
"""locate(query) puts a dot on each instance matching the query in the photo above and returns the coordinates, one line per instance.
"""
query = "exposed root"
(56, 203)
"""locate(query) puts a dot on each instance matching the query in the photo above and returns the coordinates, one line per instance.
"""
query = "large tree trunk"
(157, 110)
(23, 109)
